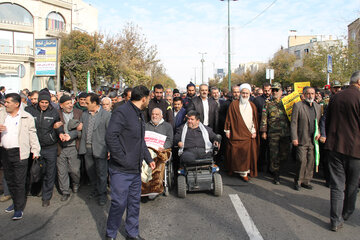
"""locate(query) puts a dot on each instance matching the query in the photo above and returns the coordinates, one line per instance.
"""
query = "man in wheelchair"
(195, 140)
(197, 170)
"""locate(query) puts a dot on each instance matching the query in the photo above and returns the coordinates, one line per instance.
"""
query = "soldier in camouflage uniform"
(275, 127)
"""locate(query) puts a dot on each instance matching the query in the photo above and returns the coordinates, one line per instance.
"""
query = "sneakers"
(10, 209)
(17, 215)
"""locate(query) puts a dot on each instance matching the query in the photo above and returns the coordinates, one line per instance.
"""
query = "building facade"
(24, 21)
(302, 45)
(354, 32)
(251, 67)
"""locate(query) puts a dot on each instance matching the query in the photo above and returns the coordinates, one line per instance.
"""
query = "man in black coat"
(49, 129)
(343, 142)
(206, 107)
(159, 102)
(125, 140)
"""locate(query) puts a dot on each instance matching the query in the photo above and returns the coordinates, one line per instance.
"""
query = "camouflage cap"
(276, 85)
(336, 83)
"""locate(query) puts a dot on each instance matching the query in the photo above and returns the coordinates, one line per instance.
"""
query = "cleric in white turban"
(242, 131)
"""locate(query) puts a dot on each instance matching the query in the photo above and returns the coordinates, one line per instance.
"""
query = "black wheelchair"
(200, 175)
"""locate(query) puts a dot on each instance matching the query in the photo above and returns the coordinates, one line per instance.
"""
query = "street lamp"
(202, 66)
(229, 57)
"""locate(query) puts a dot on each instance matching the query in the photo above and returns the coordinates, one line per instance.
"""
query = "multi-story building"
(302, 45)
(252, 67)
(24, 21)
(354, 32)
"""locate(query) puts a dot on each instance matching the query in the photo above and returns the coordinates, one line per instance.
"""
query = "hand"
(322, 139)
(263, 135)
(79, 127)
(180, 144)
(57, 125)
(2, 128)
(227, 134)
(217, 144)
(295, 143)
(317, 137)
(108, 156)
(152, 165)
(62, 137)
(253, 135)
(35, 157)
(66, 137)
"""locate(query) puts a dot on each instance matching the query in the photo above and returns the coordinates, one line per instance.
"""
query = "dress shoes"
(297, 187)
(346, 216)
(134, 238)
(336, 228)
(307, 186)
(45, 203)
(5, 198)
(65, 197)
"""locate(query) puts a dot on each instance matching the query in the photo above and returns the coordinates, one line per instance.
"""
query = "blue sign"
(329, 64)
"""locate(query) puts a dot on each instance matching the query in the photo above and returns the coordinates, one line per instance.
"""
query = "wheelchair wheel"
(170, 175)
(181, 186)
(218, 185)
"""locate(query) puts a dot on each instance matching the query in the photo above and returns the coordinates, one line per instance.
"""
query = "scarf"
(205, 134)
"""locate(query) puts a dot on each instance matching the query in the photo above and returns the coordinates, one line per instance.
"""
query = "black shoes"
(45, 203)
(307, 186)
(336, 228)
(134, 238)
(297, 187)
(346, 216)
(64, 197)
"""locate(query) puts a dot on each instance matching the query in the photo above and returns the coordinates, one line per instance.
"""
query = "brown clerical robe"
(242, 150)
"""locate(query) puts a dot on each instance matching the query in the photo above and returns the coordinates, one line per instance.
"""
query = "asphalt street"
(269, 211)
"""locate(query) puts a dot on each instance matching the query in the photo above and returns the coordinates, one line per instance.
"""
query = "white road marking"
(245, 218)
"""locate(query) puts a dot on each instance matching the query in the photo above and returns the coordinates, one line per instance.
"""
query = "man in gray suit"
(304, 116)
(94, 125)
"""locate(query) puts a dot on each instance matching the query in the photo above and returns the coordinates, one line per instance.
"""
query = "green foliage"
(282, 63)
(123, 56)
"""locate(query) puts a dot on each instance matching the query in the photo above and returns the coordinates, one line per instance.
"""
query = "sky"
(181, 29)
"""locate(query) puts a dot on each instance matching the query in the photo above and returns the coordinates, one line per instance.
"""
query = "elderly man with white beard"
(158, 125)
(304, 116)
(241, 129)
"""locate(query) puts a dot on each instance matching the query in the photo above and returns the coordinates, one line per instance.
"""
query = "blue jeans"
(125, 194)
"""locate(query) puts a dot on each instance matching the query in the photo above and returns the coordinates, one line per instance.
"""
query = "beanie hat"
(44, 96)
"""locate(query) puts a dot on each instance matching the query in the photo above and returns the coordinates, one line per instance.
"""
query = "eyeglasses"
(275, 90)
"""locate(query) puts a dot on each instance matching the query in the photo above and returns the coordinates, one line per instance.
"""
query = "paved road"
(276, 211)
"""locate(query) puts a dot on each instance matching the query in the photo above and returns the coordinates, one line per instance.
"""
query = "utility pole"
(229, 53)
(202, 66)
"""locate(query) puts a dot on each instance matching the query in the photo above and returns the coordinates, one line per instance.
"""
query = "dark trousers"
(50, 156)
(263, 161)
(15, 175)
(190, 155)
(305, 160)
(344, 180)
(97, 171)
(125, 194)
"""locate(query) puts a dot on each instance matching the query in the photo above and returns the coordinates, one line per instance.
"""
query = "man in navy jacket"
(125, 140)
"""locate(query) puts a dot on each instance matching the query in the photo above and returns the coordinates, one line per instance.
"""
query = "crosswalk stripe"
(245, 218)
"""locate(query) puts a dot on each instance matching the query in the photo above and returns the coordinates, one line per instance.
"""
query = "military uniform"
(276, 124)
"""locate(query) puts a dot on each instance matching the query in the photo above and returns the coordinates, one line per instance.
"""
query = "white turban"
(245, 86)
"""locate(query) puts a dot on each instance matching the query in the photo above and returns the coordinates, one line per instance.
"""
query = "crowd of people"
(96, 137)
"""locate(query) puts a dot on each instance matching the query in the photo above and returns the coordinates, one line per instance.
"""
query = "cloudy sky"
(182, 28)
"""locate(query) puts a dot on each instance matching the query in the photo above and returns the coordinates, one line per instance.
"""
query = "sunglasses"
(275, 90)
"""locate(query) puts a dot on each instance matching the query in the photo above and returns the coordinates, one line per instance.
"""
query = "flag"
(316, 144)
(88, 85)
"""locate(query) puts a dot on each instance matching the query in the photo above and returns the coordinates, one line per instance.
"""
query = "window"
(306, 50)
(16, 42)
(353, 36)
(55, 21)
(15, 14)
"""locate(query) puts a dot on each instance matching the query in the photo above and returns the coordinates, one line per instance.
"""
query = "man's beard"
(311, 100)
(244, 100)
